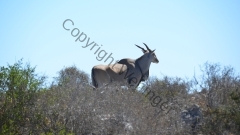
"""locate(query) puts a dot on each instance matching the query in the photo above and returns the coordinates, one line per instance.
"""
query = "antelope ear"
(153, 51)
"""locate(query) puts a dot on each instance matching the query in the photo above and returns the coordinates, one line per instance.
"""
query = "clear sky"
(185, 34)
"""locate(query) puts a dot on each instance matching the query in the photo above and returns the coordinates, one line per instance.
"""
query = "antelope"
(126, 70)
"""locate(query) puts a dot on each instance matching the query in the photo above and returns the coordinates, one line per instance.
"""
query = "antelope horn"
(141, 48)
(147, 48)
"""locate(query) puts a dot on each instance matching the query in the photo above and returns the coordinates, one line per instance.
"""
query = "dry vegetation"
(168, 106)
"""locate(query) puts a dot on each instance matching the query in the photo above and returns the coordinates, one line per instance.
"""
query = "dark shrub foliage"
(72, 77)
(220, 87)
(18, 88)
(161, 106)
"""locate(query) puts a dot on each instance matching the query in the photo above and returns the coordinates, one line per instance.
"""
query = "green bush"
(18, 88)
(222, 111)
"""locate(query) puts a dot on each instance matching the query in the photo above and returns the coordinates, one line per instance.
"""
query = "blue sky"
(185, 34)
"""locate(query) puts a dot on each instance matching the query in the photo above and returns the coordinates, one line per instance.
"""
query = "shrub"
(18, 88)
